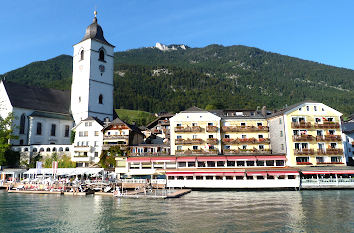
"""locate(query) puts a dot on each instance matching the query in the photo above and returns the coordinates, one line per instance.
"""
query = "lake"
(199, 211)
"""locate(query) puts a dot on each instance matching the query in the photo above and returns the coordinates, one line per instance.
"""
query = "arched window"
(22, 124)
(82, 55)
(100, 99)
(101, 55)
(39, 128)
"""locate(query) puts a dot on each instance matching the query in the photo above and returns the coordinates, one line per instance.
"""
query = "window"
(319, 133)
(210, 124)
(179, 147)
(179, 136)
(315, 108)
(195, 136)
(261, 147)
(97, 133)
(100, 99)
(259, 124)
(300, 109)
(227, 136)
(244, 147)
(331, 131)
(22, 124)
(302, 159)
(333, 145)
(82, 55)
(67, 131)
(280, 121)
(335, 159)
(194, 124)
(318, 120)
(39, 128)
(195, 147)
(96, 154)
(319, 159)
(79, 99)
(211, 136)
(260, 136)
(21, 142)
(244, 136)
(330, 119)
(227, 147)
(53, 129)
(101, 55)
(307, 108)
(282, 146)
(243, 124)
(281, 133)
(178, 125)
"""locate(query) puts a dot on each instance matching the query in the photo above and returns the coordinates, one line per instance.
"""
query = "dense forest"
(152, 80)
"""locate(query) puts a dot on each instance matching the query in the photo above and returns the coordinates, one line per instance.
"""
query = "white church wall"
(5, 104)
(45, 138)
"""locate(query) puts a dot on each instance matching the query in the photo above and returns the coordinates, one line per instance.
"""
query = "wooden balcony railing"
(329, 138)
(116, 137)
(304, 152)
(327, 125)
(197, 152)
(121, 146)
(303, 138)
(330, 151)
(245, 128)
(194, 141)
(212, 141)
(301, 125)
(212, 128)
(195, 129)
(230, 141)
(245, 151)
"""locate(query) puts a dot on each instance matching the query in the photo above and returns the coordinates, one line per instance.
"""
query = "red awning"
(211, 158)
(270, 157)
(234, 173)
(171, 158)
(138, 159)
(282, 173)
(241, 158)
(260, 173)
(179, 173)
(328, 172)
(209, 173)
(186, 159)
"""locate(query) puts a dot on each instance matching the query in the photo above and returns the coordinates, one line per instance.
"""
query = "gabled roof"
(288, 108)
(90, 118)
(119, 121)
(154, 122)
(348, 127)
(36, 98)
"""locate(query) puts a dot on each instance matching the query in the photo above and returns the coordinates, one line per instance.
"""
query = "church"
(46, 116)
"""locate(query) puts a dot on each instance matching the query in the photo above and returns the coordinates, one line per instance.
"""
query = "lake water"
(226, 211)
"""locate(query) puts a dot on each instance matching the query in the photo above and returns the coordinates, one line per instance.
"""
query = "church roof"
(51, 115)
(39, 99)
(94, 31)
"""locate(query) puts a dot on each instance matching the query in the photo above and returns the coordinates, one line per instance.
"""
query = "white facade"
(88, 142)
(92, 78)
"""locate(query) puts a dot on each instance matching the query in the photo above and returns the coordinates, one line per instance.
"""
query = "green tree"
(108, 157)
(6, 134)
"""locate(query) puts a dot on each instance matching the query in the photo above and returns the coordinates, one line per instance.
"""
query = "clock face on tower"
(102, 68)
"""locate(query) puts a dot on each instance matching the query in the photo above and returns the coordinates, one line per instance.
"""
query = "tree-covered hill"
(227, 77)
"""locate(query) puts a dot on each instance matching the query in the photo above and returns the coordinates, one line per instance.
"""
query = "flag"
(39, 167)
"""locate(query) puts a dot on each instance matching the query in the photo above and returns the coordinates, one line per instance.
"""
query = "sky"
(316, 30)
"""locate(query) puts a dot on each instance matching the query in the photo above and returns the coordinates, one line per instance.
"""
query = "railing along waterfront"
(328, 181)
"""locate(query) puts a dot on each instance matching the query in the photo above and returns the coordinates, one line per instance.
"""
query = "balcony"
(188, 129)
(195, 141)
(245, 152)
(212, 129)
(164, 122)
(327, 125)
(329, 163)
(330, 151)
(161, 153)
(245, 128)
(301, 125)
(107, 146)
(230, 141)
(197, 152)
(303, 138)
(212, 141)
(110, 137)
(304, 152)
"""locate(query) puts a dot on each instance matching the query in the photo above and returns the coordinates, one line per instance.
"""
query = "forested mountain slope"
(226, 77)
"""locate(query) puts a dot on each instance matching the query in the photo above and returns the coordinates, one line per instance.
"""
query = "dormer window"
(100, 99)
(82, 55)
(101, 55)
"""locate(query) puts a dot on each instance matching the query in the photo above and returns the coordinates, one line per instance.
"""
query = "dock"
(179, 193)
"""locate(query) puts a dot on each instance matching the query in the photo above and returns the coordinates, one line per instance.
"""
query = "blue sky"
(317, 30)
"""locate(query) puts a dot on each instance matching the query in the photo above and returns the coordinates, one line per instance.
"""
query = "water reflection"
(286, 211)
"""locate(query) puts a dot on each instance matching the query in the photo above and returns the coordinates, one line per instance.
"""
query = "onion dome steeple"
(94, 31)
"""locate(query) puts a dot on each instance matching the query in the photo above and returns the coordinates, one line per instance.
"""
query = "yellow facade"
(245, 136)
(314, 136)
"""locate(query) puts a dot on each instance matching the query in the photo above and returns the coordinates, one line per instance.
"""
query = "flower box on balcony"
(303, 163)
(211, 128)
(212, 141)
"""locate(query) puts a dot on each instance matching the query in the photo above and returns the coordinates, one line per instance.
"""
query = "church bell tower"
(92, 82)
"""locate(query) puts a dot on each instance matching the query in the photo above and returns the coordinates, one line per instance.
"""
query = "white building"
(88, 142)
(92, 83)
(42, 115)
(348, 141)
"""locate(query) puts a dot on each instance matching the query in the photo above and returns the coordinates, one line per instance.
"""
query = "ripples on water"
(285, 211)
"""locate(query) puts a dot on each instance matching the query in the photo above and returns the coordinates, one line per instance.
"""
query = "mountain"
(154, 79)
